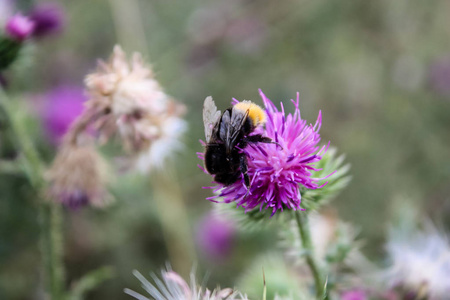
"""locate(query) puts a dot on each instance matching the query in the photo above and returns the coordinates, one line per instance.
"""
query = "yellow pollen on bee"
(255, 112)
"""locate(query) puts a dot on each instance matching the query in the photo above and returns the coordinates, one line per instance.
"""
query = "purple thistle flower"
(48, 18)
(215, 236)
(64, 104)
(277, 174)
(19, 27)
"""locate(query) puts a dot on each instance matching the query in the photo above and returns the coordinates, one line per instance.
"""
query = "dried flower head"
(173, 287)
(420, 263)
(278, 172)
(126, 99)
(159, 147)
(127, 87)
(78, 177)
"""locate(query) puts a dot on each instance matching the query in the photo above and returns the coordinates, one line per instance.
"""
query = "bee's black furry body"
(225, 167)
(224, 156)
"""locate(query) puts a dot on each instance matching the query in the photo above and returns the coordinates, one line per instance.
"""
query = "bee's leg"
(243, 166)
(258, 138)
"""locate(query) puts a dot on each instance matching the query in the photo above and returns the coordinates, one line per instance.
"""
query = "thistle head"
(78, 177)
(278, 171)
(126, 99)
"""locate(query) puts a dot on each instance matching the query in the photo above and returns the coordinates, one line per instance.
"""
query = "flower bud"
(19, 27)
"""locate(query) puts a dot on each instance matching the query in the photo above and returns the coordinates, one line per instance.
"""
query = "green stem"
(51, 248)
(305, 236)
(29, 156)
(174, 220)
(50, 212)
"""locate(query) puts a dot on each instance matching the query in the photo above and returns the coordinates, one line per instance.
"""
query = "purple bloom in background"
(19, 27)
(277, 174)
(48, 18)
(354, 295)
(215, 236)
(440, 76)
(63, 105)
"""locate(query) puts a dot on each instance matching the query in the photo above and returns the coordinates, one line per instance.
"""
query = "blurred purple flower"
(276, 175)
(63, 105)
(354, 295)
(215, 236)
(48, 18)
(19, 27)
(440, 76)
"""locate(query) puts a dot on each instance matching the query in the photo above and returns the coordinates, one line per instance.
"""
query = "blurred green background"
(378, 70)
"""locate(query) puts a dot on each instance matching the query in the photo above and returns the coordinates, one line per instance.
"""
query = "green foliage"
(90, 281)
(252, 220)
(9, 51)
(333, 240)
(313, 199)
(280, 279)
(343, 243)
(334, 247)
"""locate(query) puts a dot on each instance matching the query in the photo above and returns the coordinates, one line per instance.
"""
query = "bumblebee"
(227, 134)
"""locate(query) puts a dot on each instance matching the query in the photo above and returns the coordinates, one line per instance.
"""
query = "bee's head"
(255, 113)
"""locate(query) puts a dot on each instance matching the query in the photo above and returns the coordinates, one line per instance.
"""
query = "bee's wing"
(237, 121)
(225, 127)
(231, 127)
(210, 117)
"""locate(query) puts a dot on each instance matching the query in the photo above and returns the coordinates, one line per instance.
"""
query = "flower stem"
(174, 220)
(305, 236)
(50, 212)
(52, 250)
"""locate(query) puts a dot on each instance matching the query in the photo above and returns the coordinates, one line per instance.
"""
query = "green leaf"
(280, 279)
(313, 199)
(252, 220)
(9, 51)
